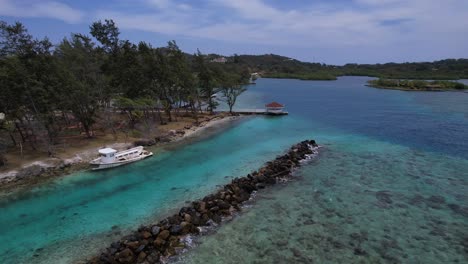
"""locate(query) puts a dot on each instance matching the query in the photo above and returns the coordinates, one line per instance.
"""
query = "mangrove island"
(417, 85)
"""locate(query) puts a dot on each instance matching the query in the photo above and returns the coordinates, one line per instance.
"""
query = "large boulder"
(187, 218)
(158, 242)
(125, 256)
(133, 244)
(176, 229)
(223, 205)
(146, 234)
(141, 257)
(163, 235)
(196, 219)
(155, 230)
(153, 257)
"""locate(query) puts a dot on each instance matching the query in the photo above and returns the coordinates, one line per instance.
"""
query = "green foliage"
(207, 80)
(107, 34)
(302, 76)
(80, 77)
(230, 86)
(15, 40)
(451, 69)
(30, 82)
(83, 84)
(417, 84)
(135, 133)
(275, 66)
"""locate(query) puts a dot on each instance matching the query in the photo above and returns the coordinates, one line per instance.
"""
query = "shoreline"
(415, 90)
(158, 242)
(49, 168)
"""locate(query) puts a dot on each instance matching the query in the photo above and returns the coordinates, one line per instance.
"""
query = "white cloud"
(158, 3)
(251, 9)
(254, 21)
(184, 6)
(49, 9)
(383, 26)
(379, 2)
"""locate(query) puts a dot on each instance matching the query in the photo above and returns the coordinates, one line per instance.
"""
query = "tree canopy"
(83, 79)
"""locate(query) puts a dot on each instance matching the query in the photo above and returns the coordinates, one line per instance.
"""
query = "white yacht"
(109, 157)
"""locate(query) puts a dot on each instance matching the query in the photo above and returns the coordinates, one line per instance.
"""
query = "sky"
(325, 31)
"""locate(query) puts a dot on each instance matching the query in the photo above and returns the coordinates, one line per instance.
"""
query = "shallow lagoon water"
(390, 184)
(361, 201)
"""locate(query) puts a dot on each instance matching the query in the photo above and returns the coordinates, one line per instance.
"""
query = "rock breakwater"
(149, 244)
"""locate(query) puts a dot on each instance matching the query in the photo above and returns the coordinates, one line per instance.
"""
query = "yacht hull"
(103, 166)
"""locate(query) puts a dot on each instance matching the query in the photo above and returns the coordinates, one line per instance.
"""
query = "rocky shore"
(39, 171)
(153, 243)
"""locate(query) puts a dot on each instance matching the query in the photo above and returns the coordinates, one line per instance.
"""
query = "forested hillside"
(276, 66)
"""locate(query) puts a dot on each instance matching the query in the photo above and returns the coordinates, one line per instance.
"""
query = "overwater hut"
(274, 108)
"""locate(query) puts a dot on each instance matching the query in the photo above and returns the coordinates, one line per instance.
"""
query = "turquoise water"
(390, 185)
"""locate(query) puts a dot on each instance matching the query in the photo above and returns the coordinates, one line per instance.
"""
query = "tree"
(14, 40)
(236, 58)
(172, 77)
(107, 34)
(3, 148)
(130, 107)
(83, 79)
(128, 75)
(206, 80)
(42, 87)
(3, 144)
(29, 82)
(231, 89)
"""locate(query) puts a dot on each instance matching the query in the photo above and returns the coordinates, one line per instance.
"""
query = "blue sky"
(327, 31)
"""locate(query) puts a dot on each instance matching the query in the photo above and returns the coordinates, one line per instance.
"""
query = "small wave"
(315, 152)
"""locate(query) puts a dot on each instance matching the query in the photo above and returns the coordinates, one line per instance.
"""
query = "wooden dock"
(255, 112)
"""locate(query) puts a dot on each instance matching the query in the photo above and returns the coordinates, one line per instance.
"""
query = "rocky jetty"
(149, 243)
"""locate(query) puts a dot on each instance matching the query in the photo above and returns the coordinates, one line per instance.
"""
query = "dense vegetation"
(450, 69)
(275, 66)
(418, 85)
(84, 80)
(302, 76)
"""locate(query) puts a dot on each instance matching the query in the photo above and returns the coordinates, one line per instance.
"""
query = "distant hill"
(276, 66)
(450, 69)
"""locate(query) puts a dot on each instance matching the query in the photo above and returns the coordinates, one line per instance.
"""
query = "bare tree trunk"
(168, 113)
(20, 132)
(65, 117)
(153, 115)
(87, 130)
(108, 119)
(12, 138)
(21, 150)
(33, 141)
(194, 111)
(160, 116)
